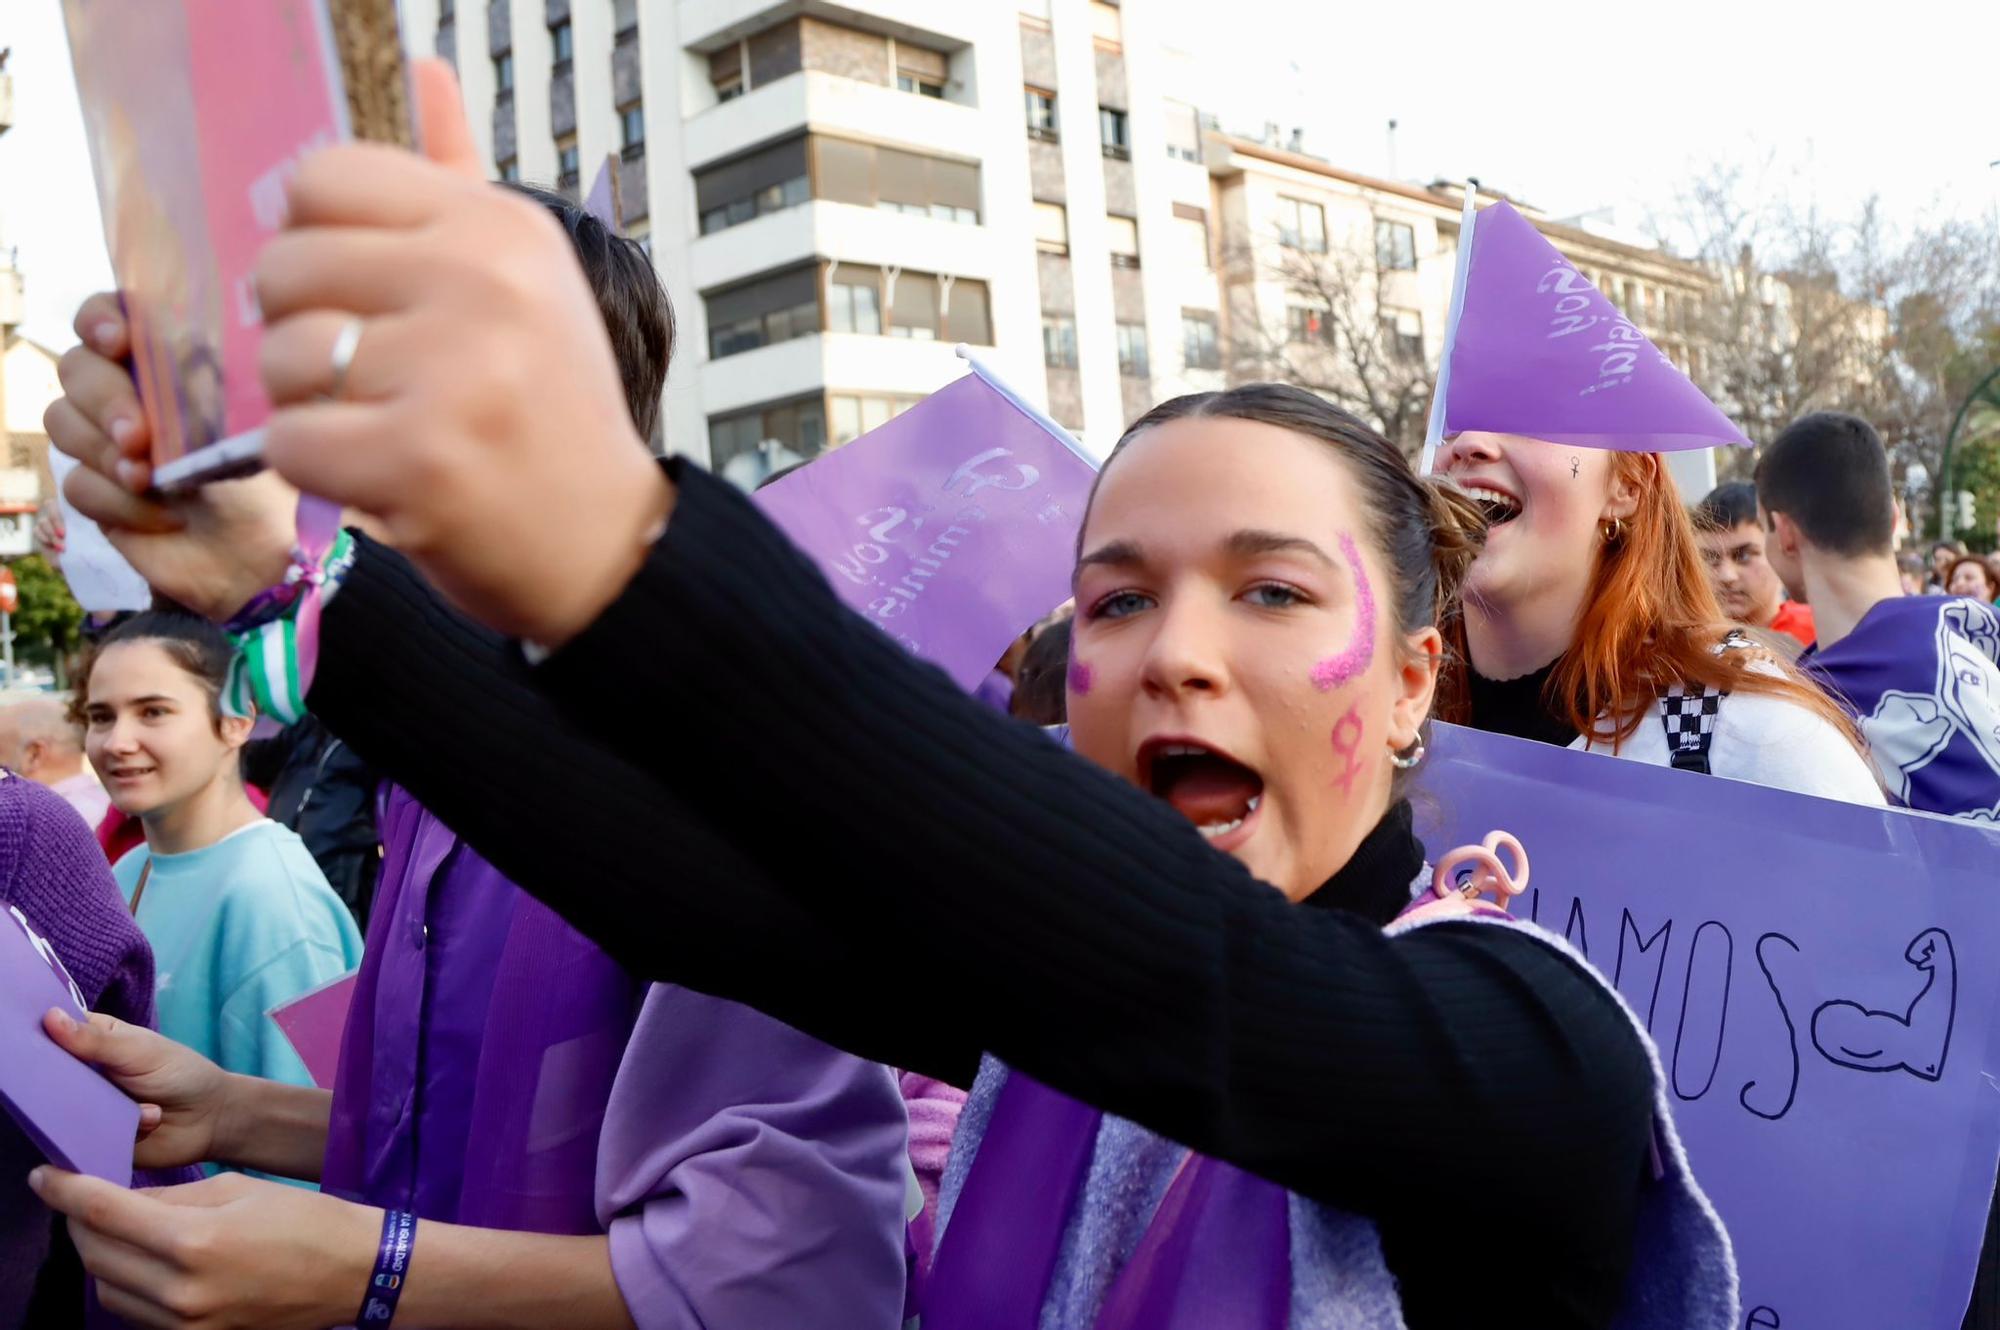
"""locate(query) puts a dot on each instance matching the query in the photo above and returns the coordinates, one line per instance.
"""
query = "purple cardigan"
(52, 870)
(499, 1070)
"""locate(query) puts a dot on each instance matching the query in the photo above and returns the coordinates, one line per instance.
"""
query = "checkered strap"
(1690, 717)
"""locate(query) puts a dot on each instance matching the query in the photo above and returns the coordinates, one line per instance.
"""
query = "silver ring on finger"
(344, 346)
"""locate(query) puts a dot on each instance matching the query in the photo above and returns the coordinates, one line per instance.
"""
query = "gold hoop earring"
(1614, 530)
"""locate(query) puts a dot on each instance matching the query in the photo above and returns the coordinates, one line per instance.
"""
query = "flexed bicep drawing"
(1917, 1041)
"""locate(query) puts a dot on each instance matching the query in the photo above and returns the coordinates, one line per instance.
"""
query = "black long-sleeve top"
(744, 788)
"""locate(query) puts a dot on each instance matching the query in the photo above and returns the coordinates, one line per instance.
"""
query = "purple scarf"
(1219, 1247)
(481, 1046)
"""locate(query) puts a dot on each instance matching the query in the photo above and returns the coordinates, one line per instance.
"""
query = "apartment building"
(836, 195)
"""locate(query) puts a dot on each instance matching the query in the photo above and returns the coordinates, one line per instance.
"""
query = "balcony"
(834, 105)
(846, 232)
(706, 24)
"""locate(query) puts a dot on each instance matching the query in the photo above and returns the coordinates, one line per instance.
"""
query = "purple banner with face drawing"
(952, 528)
(1820, 979)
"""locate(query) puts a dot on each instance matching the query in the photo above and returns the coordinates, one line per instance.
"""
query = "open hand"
(183, 1097)
(226, 1253)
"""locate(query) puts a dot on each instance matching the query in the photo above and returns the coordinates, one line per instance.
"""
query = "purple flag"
(1538, 351)
(75, 1117)
(602, 201)
(952, 528)
(1819, 978)
(314, 1025)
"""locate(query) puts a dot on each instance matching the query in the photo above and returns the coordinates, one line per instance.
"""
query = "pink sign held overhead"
(76, 1118)
(314, 1024)
(198, 113)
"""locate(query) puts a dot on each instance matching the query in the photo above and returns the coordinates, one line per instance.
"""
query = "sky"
(1570, 106)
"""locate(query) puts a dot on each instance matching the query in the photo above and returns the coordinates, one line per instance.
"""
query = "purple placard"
(952, 527)
(314, 1025)
(1820, 979)
(75, 1117)
(1537, 350)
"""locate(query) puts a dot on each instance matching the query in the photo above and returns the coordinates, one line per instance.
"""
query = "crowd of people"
(1135, 1025)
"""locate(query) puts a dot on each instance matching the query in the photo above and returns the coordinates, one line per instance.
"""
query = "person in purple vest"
(1919, 673)
(1212, 1086)
(584, 1149)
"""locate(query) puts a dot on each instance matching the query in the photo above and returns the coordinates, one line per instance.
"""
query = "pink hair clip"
(1489, 874)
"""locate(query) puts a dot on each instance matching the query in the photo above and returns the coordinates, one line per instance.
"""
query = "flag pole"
(1434, 430)
(1023, 405)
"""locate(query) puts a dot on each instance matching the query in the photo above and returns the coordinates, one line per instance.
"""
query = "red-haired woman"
(1588, 621)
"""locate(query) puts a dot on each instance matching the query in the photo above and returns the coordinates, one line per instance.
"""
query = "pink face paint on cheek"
(1347, 734)
(1354, 659)
(1080, 678)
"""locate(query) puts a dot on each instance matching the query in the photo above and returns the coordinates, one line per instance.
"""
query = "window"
(503, 75)
(1041, 115)
(762, 312)
(1301, 225)
(726, 71)
(1104, 24)
(447, 10)
(1403, 334)
(1395, 247)
(562, 46)
(897, 181)
(1124, 233)
(920, 70)
(1183, 132)
(1051, 228)
(1191, 236)
(1132, 351)
(1111, 130)
(1199, 346)
(625, 17)
(919, 306)
(752, 185)
(1059, 342)
(913, 306)
(966, 315)
(568, 165)
(632, 130)
(852, 415)
(509, 169)
(745, 447)
(1305, 325)
(854, 301)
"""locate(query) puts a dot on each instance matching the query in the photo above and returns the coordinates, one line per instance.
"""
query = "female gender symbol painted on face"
(1347, 746)
(1575, 465)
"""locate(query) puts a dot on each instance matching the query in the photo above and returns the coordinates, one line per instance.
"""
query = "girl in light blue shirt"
(240, 918)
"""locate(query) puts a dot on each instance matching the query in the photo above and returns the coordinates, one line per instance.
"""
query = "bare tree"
(1939, 285)
(1335, 335)
(1781, 330)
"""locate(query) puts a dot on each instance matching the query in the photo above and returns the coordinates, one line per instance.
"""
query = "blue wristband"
(392, 1264)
